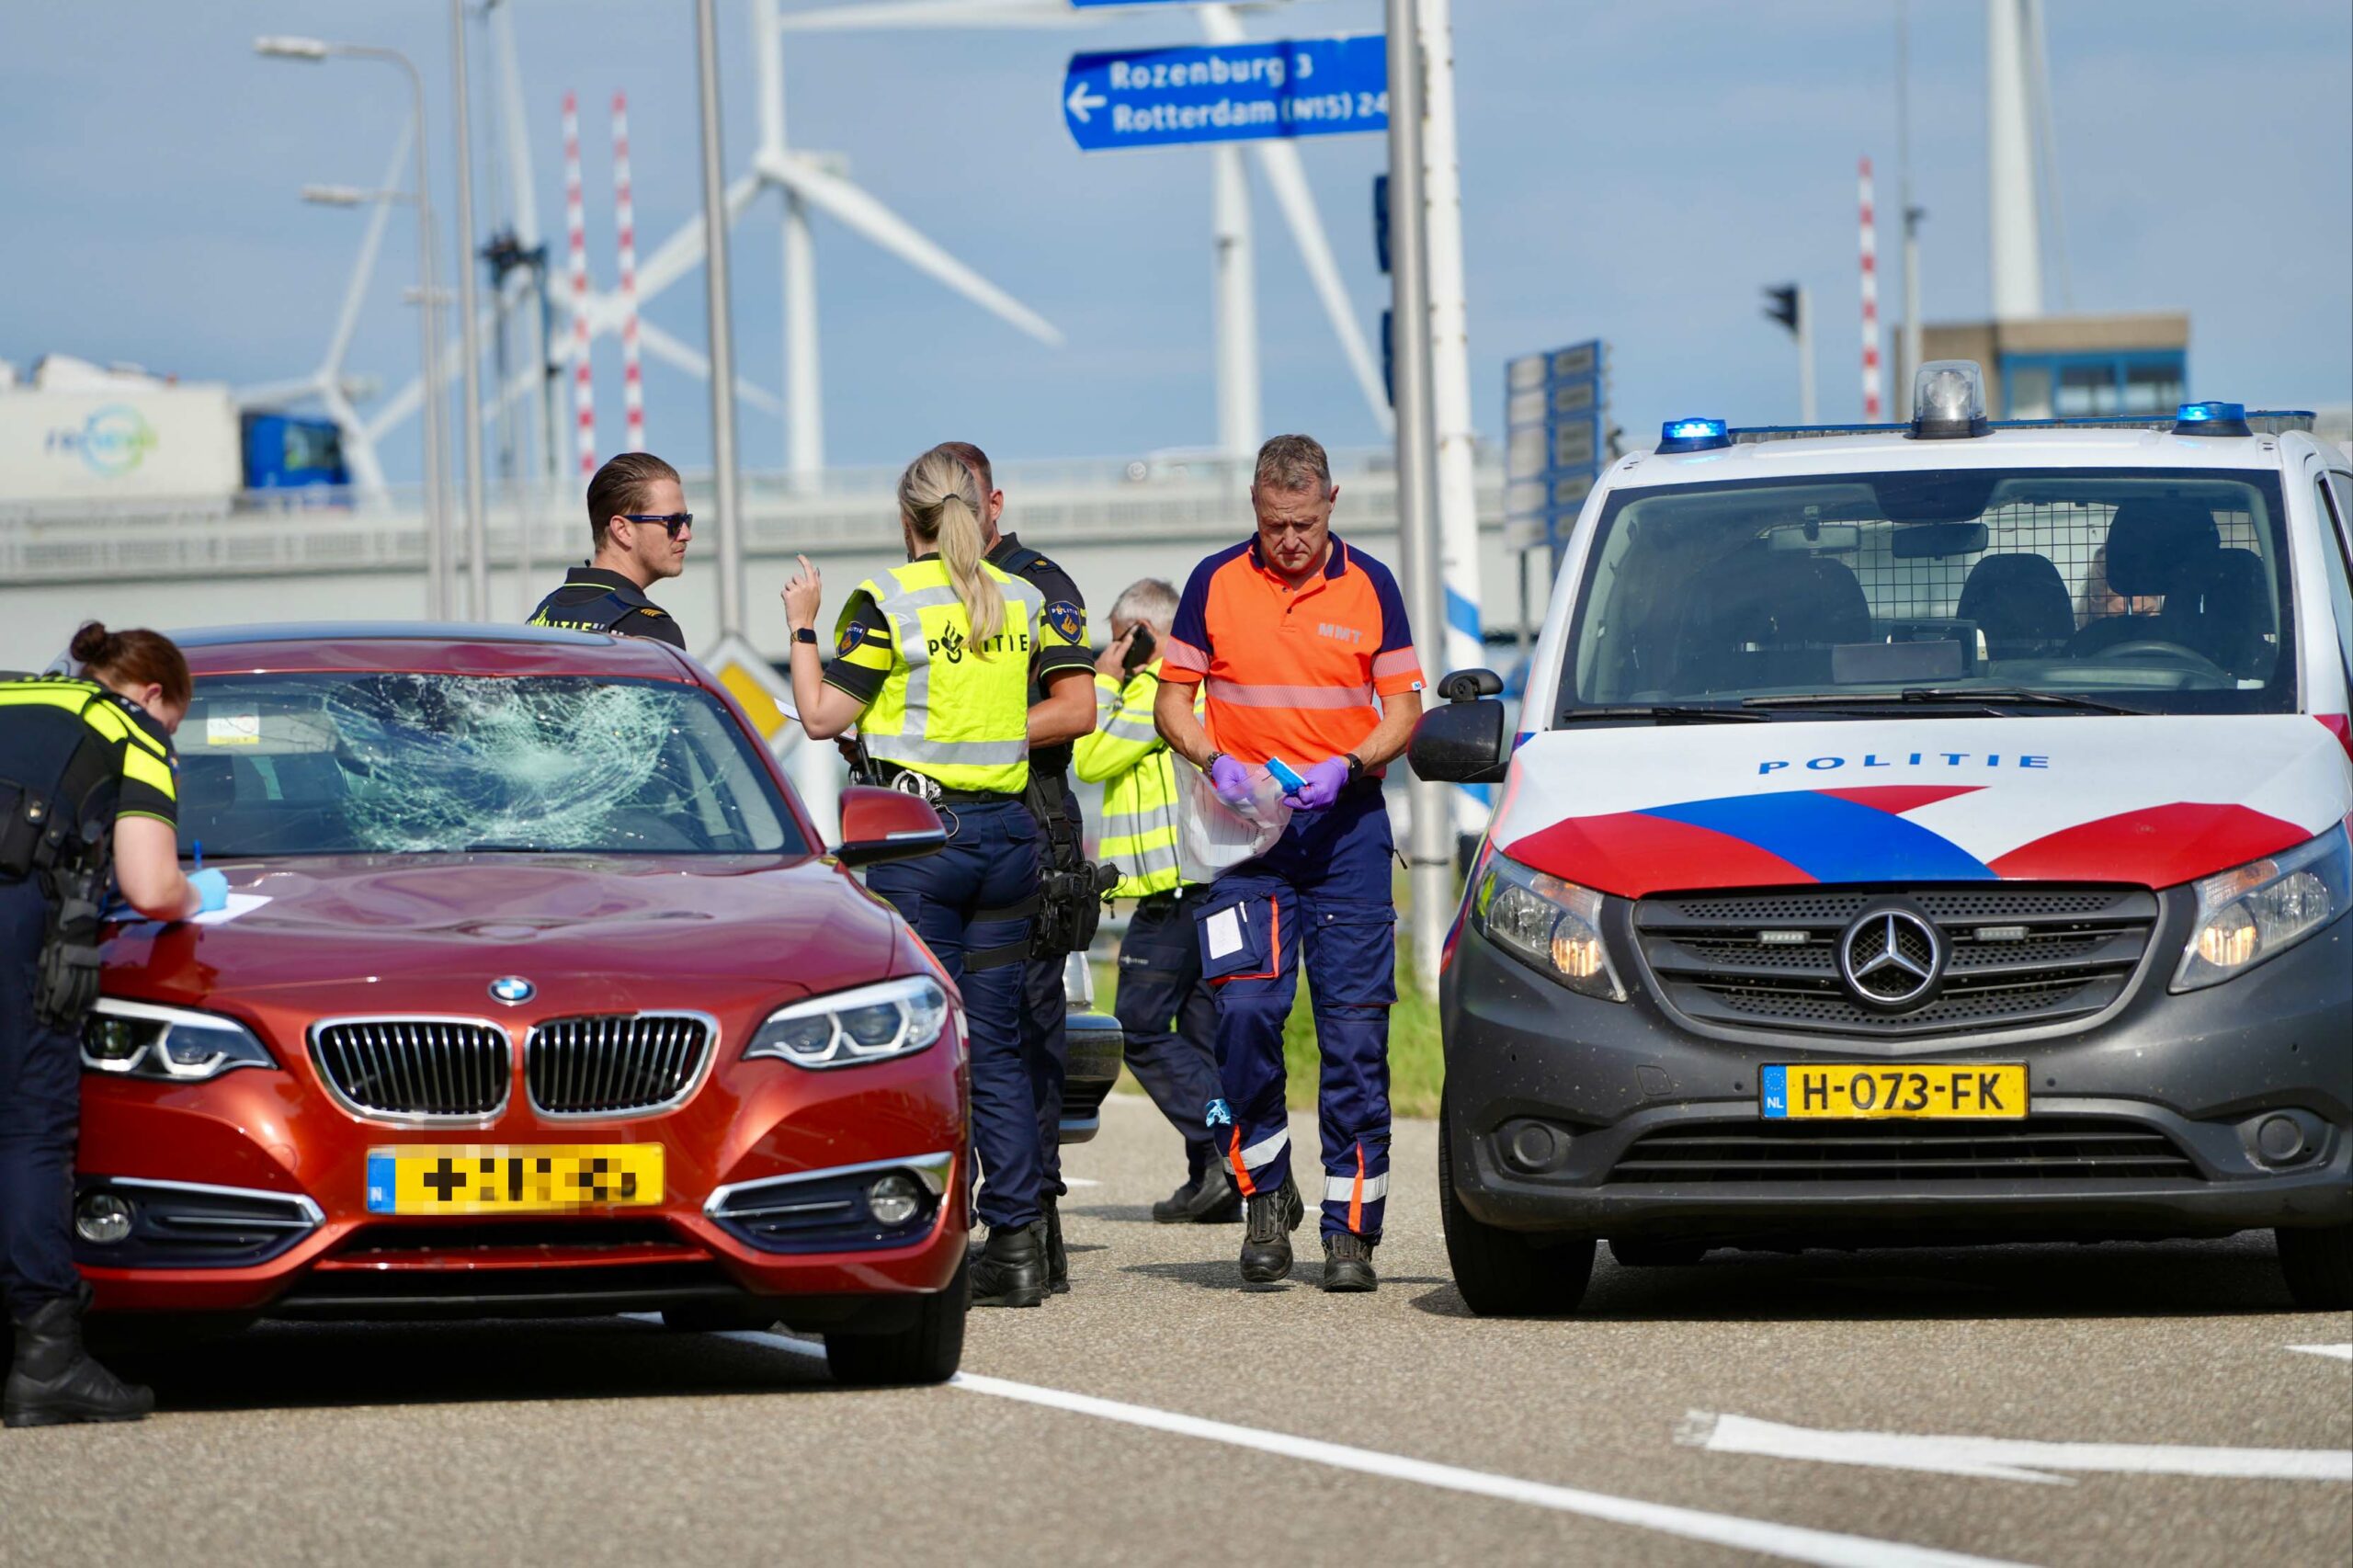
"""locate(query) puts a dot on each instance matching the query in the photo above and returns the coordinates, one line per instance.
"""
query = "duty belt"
(925, 788)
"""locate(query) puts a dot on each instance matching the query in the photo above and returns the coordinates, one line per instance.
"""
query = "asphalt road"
(1160, 1413)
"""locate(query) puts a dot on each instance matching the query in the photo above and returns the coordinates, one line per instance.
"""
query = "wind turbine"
(1278, 165)
(328, 384)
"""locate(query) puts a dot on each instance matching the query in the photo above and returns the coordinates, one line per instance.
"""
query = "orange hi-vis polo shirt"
(1291, 672)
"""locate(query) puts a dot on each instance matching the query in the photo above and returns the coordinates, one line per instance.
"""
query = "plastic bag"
(1211, 836)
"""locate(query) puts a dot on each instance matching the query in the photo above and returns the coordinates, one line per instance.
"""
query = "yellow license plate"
(1925, 1090)
(478, 1178)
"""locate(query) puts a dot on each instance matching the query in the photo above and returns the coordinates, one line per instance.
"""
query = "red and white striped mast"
(1871, 301)
(625, 216)
(584, 385)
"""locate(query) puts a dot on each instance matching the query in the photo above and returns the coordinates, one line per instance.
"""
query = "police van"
(1914, 835)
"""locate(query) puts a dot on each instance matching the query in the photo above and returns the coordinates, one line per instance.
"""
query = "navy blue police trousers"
(41, 1104)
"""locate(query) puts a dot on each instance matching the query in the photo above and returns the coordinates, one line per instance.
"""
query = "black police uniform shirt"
(594, 599)
(1065, 611)
(106, 756)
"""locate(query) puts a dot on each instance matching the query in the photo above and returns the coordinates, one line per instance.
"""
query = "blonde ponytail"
(941, 500)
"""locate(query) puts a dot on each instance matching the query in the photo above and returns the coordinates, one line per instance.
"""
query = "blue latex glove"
(212, 887)
(1232, 781)
(1321, 785)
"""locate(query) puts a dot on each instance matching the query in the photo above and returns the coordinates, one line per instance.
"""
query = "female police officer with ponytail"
(932, 662)
(86, 792)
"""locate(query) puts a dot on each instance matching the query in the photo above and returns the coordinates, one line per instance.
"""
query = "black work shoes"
(55, 1382)
(1010, 1269)
(1348, 1263)
(1266, 1246)
(1207, 1200)
(1057, 1259)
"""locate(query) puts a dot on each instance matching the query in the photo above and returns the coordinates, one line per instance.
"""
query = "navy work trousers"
(41, 1103)
(1321, 891)
(1168, 1015)
(990, 862)
(1045, 1056)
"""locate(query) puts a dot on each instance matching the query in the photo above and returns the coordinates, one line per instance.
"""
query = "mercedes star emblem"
(1890, 959)
(513, 990)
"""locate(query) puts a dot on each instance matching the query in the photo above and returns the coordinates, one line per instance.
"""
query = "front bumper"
(2195, 1075)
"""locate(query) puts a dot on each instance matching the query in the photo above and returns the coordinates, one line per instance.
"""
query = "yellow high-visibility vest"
(1127, 756)
(948, 710)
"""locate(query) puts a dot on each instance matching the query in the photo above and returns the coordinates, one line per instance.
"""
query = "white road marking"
(1795, 1543)
(2005, 1459)
(2334, 1352)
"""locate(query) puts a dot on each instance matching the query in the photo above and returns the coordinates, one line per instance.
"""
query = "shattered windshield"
(321, 764)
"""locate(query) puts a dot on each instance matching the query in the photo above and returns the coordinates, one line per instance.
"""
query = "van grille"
(2066, 953)
(615, 1064)
(2043, 1149)
(441, 1069)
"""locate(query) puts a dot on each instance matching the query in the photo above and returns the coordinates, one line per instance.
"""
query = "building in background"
(2071, 365)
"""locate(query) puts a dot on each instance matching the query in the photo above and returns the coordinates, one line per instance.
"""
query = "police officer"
(932, 662)
(1061, 709)
(639, 528)
(1167, 1011)
(86, 790)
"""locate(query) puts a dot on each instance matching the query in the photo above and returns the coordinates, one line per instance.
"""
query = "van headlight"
(172, 1045)
(871, 1023)
(1553, 926)
(2265, 907)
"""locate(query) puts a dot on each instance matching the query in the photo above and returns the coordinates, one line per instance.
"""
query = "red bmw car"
(538, 993)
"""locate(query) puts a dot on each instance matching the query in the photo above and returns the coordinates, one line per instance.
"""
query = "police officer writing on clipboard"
(932, 662)
(86, 792)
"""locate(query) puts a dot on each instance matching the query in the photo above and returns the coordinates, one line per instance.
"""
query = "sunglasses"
(677, 522)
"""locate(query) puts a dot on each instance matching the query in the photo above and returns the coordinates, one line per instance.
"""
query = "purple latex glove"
(1232, 781)
(1321, 784)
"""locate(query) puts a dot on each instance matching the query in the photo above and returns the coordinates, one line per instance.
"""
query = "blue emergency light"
(2211, 419)
(1693, 436)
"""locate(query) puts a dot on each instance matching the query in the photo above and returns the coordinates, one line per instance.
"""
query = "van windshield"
(336, 764)
(2162, 591)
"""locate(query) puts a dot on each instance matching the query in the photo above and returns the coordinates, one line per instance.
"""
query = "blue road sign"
(1242, 92)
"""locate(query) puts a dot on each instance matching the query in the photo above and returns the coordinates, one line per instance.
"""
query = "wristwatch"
(1356, 766)
(805, 634)
(1211, 766)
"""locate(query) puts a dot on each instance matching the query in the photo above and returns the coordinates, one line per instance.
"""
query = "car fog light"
(894, 1200)
(102, 1219)
(2279, 1140)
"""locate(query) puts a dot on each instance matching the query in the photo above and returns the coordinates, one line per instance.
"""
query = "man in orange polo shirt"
(1302, 642)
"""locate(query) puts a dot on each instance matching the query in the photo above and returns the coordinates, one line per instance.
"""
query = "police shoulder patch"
(851, 634)
(1068, 621)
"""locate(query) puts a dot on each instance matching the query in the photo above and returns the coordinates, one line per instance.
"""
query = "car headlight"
(871, 1023)
(140, 1040)
(1553, 926)
(2265, 907)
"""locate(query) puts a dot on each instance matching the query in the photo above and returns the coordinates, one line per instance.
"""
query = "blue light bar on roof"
(2211, 419)
(1693, 436)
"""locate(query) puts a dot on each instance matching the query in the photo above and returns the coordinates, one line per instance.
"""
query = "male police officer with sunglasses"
(638, 527)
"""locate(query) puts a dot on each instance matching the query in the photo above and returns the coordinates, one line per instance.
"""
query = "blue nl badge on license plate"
(381, 1184)
(1775, 1087)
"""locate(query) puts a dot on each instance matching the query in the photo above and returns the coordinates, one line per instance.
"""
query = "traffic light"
(1782, 306)
(1381, 222)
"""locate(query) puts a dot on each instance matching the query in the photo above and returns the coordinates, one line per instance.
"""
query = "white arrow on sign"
(2005, 1459)
(1083, 104)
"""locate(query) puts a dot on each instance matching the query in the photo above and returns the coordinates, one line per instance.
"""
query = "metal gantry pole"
(1429, 860)
(477, 516)
(431, 428)
(1910, 365)
(726, 504)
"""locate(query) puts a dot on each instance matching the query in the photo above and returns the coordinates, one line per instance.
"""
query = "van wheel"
(1505, 1273)
(927, 1351)
(1656, 1255)
(2318, 1267)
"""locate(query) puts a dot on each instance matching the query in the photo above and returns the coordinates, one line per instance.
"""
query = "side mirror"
(1467, 741)
(886, 824)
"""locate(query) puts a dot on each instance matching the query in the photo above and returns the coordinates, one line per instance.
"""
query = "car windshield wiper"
(1945, 697)
(1664, 714)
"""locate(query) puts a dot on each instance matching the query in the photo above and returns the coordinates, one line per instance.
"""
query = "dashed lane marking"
(2333, 1352)
(1795, 1543)
(2005, 1459)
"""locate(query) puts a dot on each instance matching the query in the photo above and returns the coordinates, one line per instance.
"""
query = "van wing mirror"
(1465, 742)
(886, 824)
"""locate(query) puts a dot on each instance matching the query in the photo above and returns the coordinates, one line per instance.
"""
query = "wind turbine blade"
(279, 394)
(363, 270)
(1287, 178)
(861, 213)
(514, 126)
(662, 345)
(682, 252)
(892, 14)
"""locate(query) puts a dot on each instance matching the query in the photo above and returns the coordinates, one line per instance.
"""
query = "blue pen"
(199, 854)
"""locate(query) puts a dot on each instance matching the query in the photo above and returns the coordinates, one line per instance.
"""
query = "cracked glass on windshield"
(2155, 590)
(318, 764)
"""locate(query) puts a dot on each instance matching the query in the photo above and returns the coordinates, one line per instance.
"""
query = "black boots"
(1266, 1246)
(55, 1382)
(1208, 1199)
(1057, 1260)
(1348, 1263)
(1009, 1269)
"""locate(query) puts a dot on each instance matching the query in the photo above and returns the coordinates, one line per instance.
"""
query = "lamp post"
(477, 518)
(437, 521)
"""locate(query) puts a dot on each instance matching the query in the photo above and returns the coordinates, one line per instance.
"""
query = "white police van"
(1916, 834)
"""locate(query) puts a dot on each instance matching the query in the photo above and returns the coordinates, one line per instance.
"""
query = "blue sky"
(1631, 170)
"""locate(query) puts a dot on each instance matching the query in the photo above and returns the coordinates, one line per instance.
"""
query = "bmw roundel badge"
(513, 990)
